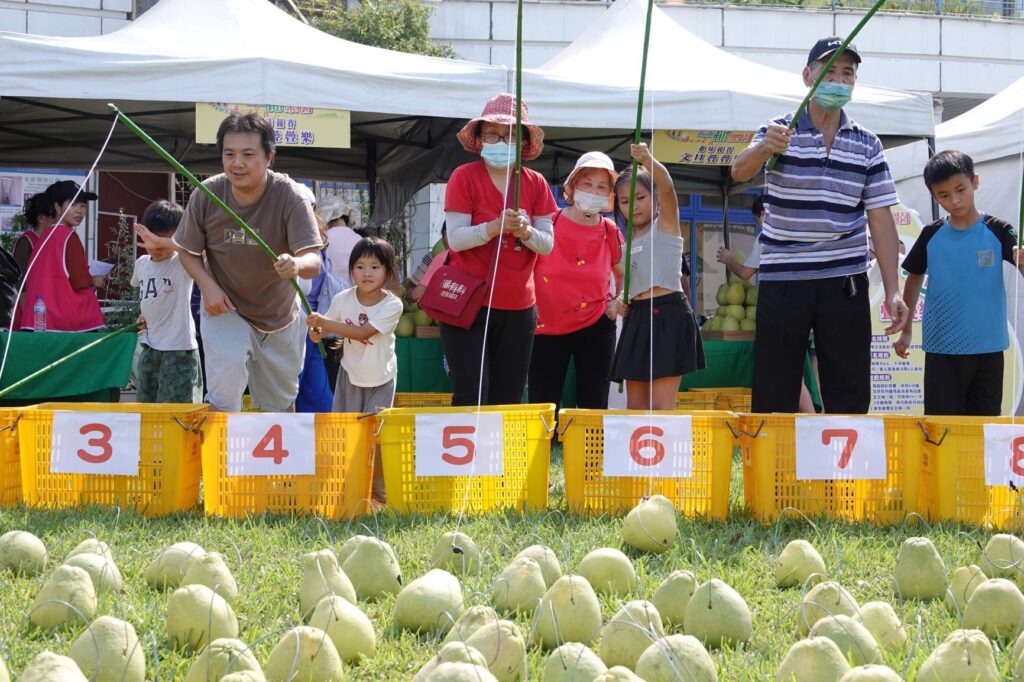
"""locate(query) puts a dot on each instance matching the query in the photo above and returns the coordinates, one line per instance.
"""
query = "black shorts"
(963, 385)
(668, 320)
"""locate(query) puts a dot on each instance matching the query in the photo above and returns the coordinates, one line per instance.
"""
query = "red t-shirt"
(573, 281)
(471, 191)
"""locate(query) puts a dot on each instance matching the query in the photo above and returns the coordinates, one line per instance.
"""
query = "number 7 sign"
(840, 448)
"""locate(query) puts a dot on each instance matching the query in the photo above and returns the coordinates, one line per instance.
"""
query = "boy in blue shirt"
(965, 326)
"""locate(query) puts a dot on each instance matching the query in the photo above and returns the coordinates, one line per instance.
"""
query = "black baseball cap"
(62, 191)
(826, 46)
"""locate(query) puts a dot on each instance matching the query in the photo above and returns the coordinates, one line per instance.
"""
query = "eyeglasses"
(493, 138)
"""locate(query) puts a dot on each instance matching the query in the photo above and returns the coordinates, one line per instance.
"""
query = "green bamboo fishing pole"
(57, 363)
(519, 100)
(824, 72)
(636, 140)
(194, 181)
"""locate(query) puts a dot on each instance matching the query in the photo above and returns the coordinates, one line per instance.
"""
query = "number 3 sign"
(460, 444)
(95, 443)
(271, 444)
(1004, 454)
(840, 448)
(648, 445)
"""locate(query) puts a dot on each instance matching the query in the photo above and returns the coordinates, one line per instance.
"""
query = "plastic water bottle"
(39, 315)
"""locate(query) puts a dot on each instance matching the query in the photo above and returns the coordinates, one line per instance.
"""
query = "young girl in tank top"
(659, 322)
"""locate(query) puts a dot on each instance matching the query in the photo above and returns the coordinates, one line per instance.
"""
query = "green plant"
(122, 299)
(401, 25)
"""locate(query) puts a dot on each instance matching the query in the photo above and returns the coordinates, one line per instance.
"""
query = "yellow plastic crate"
(169, 461)
(953, 476)
(770, 486)
(340, 488)
(696, 400)
(733, 398)
(423, 400)
(10, 459)
(527, 459)
(704, 494)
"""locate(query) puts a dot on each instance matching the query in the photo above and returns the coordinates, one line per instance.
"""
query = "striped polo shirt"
(815, 224)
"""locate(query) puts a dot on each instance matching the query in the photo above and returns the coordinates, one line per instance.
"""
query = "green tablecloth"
(730, 363)
(88, 377)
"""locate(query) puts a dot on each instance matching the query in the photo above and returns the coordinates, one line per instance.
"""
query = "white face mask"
(589, 203)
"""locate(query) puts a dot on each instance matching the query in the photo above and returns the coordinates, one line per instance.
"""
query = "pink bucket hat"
(502, 109)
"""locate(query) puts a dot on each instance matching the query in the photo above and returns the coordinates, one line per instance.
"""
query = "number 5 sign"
(648, 445)
(271, 444)
(840, 448)
(1004, 454)
(95, 443)
(460, 444)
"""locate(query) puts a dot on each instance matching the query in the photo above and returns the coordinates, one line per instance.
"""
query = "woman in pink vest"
(576, 286)
(58, 271)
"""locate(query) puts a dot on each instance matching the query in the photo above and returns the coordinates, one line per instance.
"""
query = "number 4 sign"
(460, 444)
(660, 446)
(95, 443)
(271, 444)
(840, 448)
(1004, 454)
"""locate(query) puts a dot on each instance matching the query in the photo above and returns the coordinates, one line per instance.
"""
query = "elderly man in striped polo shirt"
(830, 186)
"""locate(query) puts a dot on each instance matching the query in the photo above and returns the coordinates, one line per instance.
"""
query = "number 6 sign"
(95, 443)
(271, 444)
(648, 445)
(460, 444)
(840, 448)
(1004, 454)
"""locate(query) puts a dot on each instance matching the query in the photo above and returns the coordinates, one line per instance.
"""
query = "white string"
(37, 250)
(509, 160)
(651, 230)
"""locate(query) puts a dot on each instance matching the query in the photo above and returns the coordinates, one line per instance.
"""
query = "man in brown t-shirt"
(250, 324)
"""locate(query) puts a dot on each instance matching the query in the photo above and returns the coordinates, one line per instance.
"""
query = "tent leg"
(931, 152)
(725, 206)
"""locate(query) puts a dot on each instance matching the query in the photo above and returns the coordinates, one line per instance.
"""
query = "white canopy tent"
(990, 133)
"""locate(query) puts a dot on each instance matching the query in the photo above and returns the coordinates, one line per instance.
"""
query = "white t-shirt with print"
(165, 295)
(371, 362)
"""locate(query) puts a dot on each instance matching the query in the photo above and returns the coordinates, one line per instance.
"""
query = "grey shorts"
(238, 355)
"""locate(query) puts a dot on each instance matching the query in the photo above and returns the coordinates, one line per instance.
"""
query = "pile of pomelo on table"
(737, 307)
(666, 637)
(413, 317)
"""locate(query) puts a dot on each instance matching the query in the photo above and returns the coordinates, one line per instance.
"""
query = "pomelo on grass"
(964, 656)
(672, 597)
(797, 562)
(22, 553)
(609, 571)
(871, 673)
(171, 564)
(304, 654)
(347, 626)
(569, 612)
(717, 615)
(109, 651)
(452, 652)
(815, 659)
(322, 576)
(618, 674)
(884, 625)
(852, 638)
(222, 657)
(996, 608)
(573, 662)
(650, 526)
(104, 574)
(550, 567)
(211, 570)
(628, 634)
(454, 551)
(676, 657)
(824, 599)
(965, 580)
(64, 600)
(920, 572)
(471, 620)
(430, 603)
(51, 667)
(197, 615)
(519, 587)
(371, 565)
(460, 672)
(503, 647)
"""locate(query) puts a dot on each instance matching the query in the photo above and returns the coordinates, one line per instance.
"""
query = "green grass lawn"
(264, 555)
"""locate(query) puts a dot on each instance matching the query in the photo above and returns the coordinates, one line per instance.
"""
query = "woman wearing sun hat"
(576, 287)
(478, 208)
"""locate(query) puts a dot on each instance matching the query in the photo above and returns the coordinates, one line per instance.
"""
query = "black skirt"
(677, 344)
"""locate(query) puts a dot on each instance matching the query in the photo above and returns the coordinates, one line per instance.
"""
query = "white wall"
(940, 54)
(64, 17)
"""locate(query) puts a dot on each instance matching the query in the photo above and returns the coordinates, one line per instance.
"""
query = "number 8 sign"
(95, 443)
(1004, 454)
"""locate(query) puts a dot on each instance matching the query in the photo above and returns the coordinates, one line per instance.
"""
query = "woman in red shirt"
(483, 229)
(576, 287)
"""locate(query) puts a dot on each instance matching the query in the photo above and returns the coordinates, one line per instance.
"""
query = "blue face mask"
(498, 154)
(833, 96)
